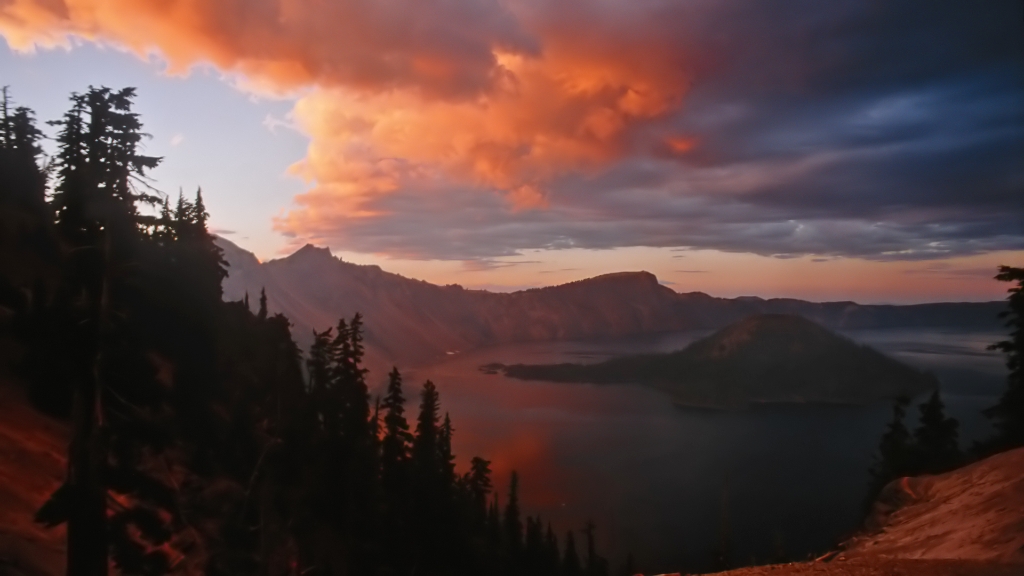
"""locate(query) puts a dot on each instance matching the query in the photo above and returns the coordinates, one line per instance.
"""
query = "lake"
(671, 484)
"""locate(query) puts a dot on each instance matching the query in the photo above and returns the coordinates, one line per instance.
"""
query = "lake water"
(670, 484)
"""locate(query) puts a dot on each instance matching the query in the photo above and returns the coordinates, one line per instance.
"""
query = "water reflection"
(670, 484)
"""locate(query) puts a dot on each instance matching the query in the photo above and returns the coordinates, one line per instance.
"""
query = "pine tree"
(935, 439)
(424, 448)
(444, 452)
(96, 203)
(318, 365)
(262, 313)
(894, 458)
(533, 547)
(274, 473)
(596, 565)
(479, 484)
(513, 525)
(552, 557)
(397, 439)
(494, 522)
(428, 492)
(571, 561)
(1008, 414)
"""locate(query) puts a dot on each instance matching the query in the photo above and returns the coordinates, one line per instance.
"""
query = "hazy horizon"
(671, 285)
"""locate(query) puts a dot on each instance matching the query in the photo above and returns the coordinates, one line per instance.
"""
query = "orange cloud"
(470, 94)
(681, 144)
(438, 47)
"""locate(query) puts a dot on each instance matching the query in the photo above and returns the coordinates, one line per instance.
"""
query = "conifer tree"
(533, 547)
(96, 203)
(552, 557)
(273, 473)
(596, 565)
(424, 450)
(397, 438)
(894, 456)
(444, 452)
(1008, 414)
(571, 565)
(479, 484)
(318, 365)
(30, 258)
(494, 522)
(513, 525)
(262, 313)
(935, 439)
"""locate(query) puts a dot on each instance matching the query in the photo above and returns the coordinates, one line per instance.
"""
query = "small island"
(769, 358)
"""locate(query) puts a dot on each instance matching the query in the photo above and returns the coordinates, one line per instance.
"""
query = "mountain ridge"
(413, 322)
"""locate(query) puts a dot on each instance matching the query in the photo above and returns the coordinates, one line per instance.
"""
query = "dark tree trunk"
(87, 521)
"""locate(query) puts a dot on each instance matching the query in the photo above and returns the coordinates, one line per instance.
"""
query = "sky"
(850, 149)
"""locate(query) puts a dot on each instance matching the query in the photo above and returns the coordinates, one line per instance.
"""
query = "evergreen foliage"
(199, 444)
(932, 448)
(1008, 414)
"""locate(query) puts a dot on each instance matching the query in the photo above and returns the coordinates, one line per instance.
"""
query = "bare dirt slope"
(32, 448)
(968, 522)
(976, 513)
(884, 567)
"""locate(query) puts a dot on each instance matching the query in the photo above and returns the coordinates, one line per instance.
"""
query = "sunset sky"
(849, 149)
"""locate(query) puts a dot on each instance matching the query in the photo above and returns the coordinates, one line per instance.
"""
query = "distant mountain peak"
(796, 331)
(642, 277)
(310, 251)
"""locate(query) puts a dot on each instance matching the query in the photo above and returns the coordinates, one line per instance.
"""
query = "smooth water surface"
(672, 484)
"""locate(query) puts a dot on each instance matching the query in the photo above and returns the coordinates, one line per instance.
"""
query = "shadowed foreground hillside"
(414, 322)
(32, 465)
(764, 358)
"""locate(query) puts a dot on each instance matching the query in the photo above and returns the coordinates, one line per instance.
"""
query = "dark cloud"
(881, 130)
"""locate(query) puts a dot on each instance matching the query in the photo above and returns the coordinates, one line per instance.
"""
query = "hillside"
(967, 522)
(32, 453)
(413, 322)
(975, 513)
(763, 358)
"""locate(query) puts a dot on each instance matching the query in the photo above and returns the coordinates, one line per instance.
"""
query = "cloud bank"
(471, 130)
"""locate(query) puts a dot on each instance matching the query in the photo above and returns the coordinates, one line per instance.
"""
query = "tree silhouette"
(96, 204)
(571, 562)
(1008, 414)
(935, 440)
(513, 525)
(596, 565)
(195, 433)
(894, 457)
